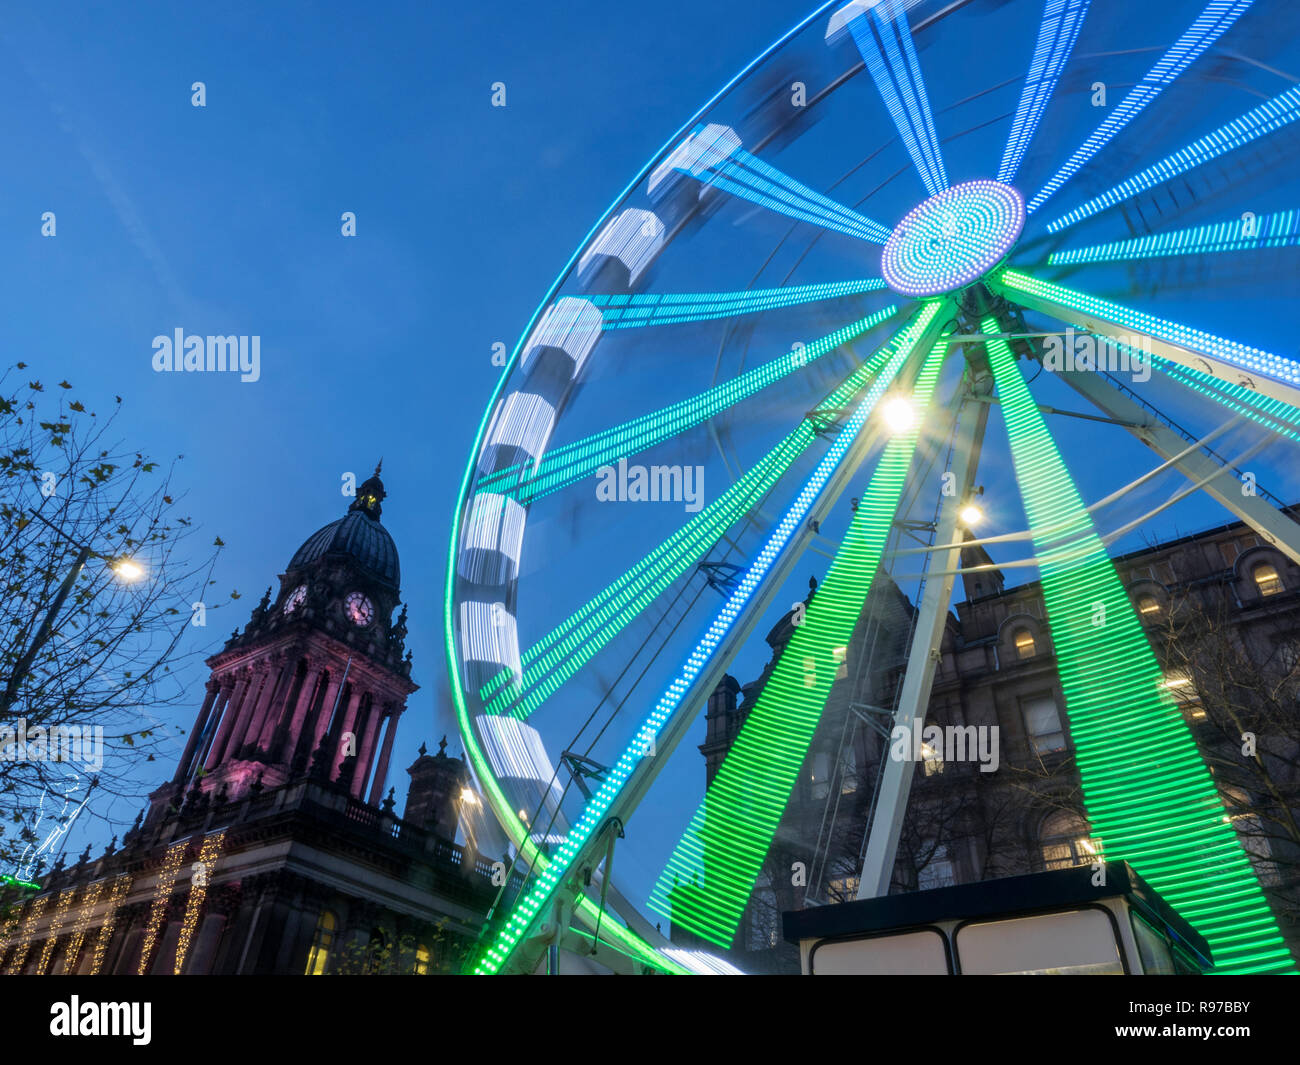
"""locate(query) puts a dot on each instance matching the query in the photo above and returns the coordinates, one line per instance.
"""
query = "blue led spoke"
(1280, 230)
(884, 39)
(1280, 111)
(1209, 26)
(1057, 33)
(670, 308)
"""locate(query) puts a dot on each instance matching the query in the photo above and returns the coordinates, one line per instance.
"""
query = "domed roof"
(357, 536)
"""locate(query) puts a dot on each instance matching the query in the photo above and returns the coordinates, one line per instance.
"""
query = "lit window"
(1266, 579)
(1025, 643)
(1148, 606)
(932, 759)
(421, 960)
(1043, 724)
(1065, 843)
(1182, 688)
(319, 956)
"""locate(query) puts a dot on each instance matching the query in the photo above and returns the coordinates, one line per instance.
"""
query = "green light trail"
(1149, 796)
(564, 465)
(570, 645)
(710, 876)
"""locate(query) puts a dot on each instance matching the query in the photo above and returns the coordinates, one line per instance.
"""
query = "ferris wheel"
(860, 270)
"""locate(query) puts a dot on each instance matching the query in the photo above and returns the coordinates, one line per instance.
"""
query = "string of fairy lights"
(57, 918)
(167, 873)
(211, 850)
(120, 887)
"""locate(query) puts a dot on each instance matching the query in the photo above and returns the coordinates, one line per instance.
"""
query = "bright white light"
(469, 796)
(128, 570)
(971, 514)
(899, 415)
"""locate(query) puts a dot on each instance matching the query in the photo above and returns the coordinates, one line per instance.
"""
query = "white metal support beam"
(1217, 481)
(896, 777)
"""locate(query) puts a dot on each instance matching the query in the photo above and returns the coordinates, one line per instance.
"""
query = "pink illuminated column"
(227, 720)
(381, 770)
(310, 681)
(253, 730)
(349, 722)
(196, 734)
(366, 749)
(326, 714)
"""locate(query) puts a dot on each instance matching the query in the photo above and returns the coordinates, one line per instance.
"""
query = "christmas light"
(61, 908)
(208, 855)
(953, 239)
(120, 887)
(35, 908)
(78, 936)
(1208, 27)
(167, 872)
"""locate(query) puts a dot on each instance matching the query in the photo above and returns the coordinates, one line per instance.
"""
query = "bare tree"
(100, 582)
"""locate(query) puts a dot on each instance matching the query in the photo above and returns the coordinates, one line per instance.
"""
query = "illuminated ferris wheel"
(858, 271)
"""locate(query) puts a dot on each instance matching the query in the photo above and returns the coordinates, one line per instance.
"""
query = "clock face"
(358, 608)
(296, 598)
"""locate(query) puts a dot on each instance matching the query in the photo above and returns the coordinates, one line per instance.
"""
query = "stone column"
(234, 708)
(196, 733)
(277, 742)
(219, 711)
(366, 749)
(381, 770)
(265, 704)
(347, 725)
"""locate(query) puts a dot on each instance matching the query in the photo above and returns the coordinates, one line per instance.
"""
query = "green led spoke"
(1240, 357)
(605, 801)
(565, 465)
(558, 655)
(1150, 799)
(711, 874)
(652, 308)
(1280, 230)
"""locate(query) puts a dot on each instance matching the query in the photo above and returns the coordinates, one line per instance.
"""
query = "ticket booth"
(1066, 921)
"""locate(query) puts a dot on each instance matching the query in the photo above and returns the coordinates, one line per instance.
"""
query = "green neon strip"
(558, 655)
(711, 874)
(671, 308)
(1149, 796)
(1239, 356)
(1280, 230)
(564, 465)
(603, 802)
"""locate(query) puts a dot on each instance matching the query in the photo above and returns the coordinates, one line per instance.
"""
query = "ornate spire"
(371, 494)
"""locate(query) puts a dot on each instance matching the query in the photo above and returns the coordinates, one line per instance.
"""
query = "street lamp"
(971, 515)
(125, 568)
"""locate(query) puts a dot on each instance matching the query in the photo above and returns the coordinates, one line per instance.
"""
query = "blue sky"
(226, 219)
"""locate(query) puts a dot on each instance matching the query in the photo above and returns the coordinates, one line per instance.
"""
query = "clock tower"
(315, 684)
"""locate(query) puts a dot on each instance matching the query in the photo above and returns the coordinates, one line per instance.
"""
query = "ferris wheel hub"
(953, 239)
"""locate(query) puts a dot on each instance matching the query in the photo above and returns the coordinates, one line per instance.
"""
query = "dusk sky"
(225, 219)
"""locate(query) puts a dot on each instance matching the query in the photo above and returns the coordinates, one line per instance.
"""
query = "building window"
(322, 943)
(1148, 607)
(1183, 689)
(937, 872)
(1065, 843)
(422, 960)
(1025, 647)
(932, 759)
(1266, 579)
(1043, 723)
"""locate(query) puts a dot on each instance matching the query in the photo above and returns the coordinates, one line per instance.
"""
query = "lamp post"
(127, 569)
